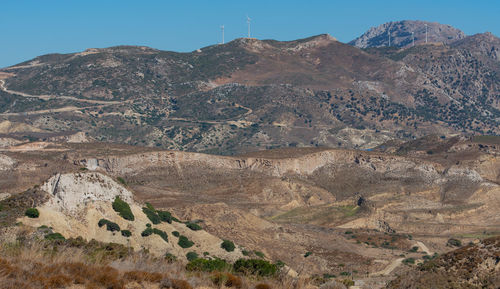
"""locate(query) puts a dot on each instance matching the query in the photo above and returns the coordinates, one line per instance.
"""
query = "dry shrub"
(174, 284)
(226, 279)
(141, 276)
(262, 286)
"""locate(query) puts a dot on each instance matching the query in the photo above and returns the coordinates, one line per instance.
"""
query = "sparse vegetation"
(191, 256)
(227, 245)
(152, 215)
(255, 267)
(454, 243)
(208, 265)
(176, 234)
(409, 261)
(126, 233)
(193, 226)
(32, 213)
(165, 216)
(54, 236)
(184, 242)
(123, 209)
(259, 254)
(110, 226)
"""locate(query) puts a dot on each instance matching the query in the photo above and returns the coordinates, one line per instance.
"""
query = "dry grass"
(34, 265)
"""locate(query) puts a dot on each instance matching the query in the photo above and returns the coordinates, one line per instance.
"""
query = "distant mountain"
(254, 94)
(401, 34)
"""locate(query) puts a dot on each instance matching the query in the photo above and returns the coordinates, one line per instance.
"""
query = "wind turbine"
(425, 32)
(412, 38)
(389, 34)
(222, 28)
(248, 22)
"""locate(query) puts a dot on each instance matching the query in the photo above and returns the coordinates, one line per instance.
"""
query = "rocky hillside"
(400, 33)
(472, 266)
(249, 94)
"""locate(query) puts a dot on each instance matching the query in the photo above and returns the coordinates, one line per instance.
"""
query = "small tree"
(123, 209)
(227, 245)
(32, 213)
(184, 242)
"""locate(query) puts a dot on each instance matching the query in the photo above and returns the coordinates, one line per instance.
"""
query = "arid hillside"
(252, 94)
(318, 210)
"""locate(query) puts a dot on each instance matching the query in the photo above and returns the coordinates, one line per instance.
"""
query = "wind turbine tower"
(389, 35)
(426, 33)
(412, 38)
(222, 29)
(248, 23)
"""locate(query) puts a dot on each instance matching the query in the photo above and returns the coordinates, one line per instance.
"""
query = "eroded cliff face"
(78, 201)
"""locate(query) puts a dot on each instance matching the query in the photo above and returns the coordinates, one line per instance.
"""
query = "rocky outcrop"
(71, 192)
(401, 34)
(6, 163)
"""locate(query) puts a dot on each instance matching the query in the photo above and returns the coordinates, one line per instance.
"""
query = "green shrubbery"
(123, 209)
(175, 233)
(259, 254)
(149, 231)
(208, 265)
(255, 267)
(165, 216)
(170, 257)
(126, 233)
(151, 214)
(161, 233)
(54, 236)
(193, 226)
(408, 261)
(32, 213)
(184, 242)
(110, 226)
(454, 243)
(227, 245)
(191, 256)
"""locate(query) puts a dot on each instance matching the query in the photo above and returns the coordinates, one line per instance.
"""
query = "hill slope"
(251, 94)
(401, 34)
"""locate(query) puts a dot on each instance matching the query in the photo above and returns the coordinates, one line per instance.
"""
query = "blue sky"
(36, 27)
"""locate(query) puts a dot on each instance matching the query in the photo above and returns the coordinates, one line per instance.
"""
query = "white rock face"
(70, 192)
(6, 163)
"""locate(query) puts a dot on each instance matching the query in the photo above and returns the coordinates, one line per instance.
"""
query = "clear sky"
(34, 27)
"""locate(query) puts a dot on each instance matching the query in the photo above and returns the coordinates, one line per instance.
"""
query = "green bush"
(191, 256)
(161, 233)
(175, 233)
(184, 242)
(32, 213)
(126, 233)
(123, 209)
(245, 253)
(208, 265)
(152, 215)
(454, 243)
(408, 261)
(227, 245)
(170, 257)
(193, 226)
(54, 236)
(255, 267)
(147, 232)
(259, 254)
(121, 180)
(165, 216)
(110, 226)
(414, 249)
(307, 254)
